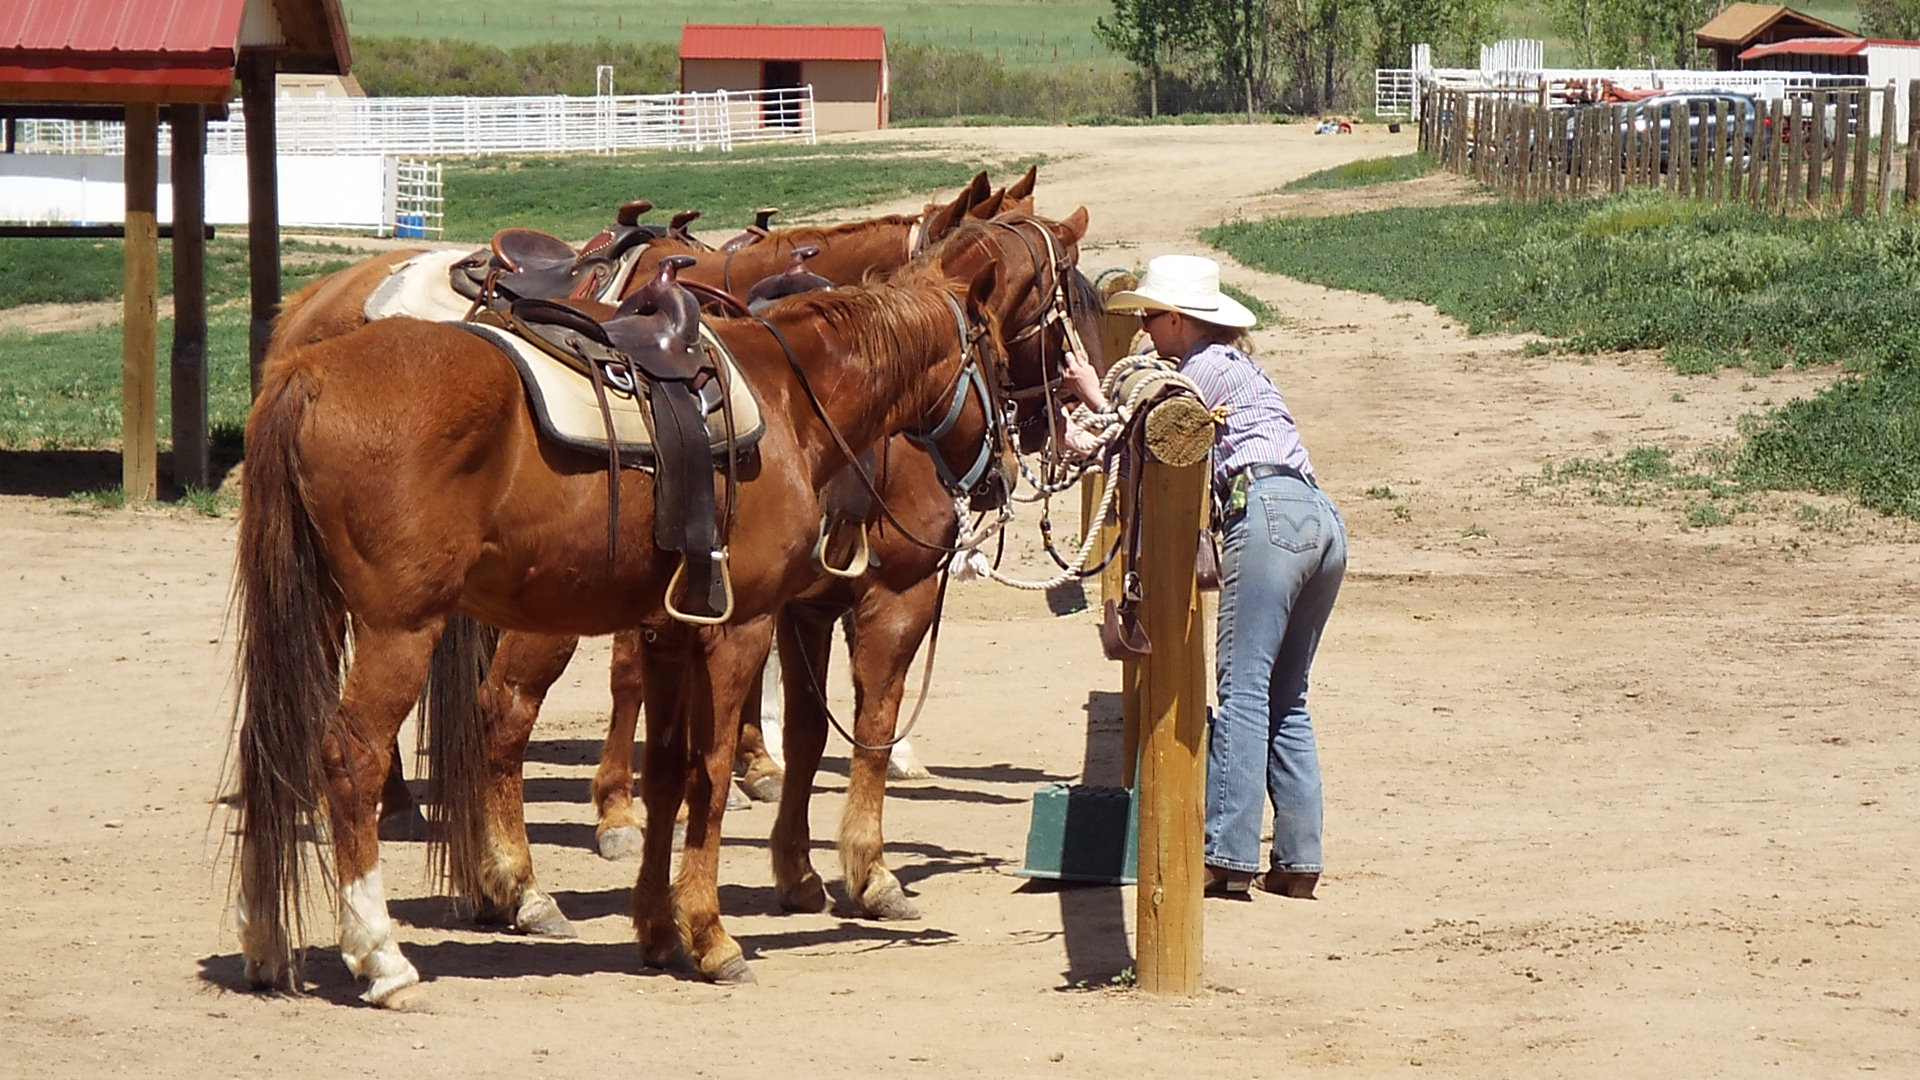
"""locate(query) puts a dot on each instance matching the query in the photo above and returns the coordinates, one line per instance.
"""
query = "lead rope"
(926, 676)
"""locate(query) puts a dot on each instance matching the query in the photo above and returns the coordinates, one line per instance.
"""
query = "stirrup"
(856, 566)
(720, 559)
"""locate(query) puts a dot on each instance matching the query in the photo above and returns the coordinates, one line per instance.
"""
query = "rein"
(970, 338)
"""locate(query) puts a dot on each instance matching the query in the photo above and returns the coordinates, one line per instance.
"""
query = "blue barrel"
(410, 226)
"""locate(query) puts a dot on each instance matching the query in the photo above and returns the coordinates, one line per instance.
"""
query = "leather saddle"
(524, 263)
(754, 233)
(650, 349)
(795, 279)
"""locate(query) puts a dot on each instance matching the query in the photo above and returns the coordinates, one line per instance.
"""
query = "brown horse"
(891, 606)
(480, 516)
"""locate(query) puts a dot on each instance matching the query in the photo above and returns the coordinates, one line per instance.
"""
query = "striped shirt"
(1258, 428)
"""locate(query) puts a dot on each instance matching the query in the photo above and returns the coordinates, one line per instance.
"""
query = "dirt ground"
(1607, 796)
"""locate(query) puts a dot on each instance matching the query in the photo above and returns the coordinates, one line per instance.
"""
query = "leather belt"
(1264, 470)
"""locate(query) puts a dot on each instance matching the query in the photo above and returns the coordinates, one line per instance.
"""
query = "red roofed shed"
(128, 60)
(845, 65)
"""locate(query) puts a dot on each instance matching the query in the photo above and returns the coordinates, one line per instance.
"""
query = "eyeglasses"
(1147, 317)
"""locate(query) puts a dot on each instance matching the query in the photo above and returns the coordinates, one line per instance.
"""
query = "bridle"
(1057, 310)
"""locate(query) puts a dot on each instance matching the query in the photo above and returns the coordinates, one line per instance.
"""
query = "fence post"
(1888, 103)
(1717, 187)
(1796, 153)
(1863, 121)
(1912, 194)
(1842, 148)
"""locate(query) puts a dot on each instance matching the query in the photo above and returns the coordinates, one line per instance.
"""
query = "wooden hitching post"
(188, 124)
(139, 366)
(263, 205)
(1117, 333)
(1171, 790)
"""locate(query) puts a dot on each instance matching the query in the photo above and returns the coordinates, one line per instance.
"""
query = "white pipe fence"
(603, 124)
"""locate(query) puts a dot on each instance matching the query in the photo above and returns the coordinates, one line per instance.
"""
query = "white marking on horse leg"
(904, 763)
(366, 940)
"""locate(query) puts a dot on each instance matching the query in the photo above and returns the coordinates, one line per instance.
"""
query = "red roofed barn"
(845, 65)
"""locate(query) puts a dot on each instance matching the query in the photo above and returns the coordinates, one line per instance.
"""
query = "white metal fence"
(419, 202)
(603, 124)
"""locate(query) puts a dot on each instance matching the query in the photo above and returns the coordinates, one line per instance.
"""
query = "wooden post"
(1722, 149)
(191, 465)
(139, 342)
(1912, 194)
(1117, 333)
(1796, 158)
(1820, 147)
(263, 204)
(1842, 147)
(1863, 124)
(1171, 795)
(1888, 103)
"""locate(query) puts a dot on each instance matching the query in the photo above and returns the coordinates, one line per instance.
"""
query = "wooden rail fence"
(1807, 151)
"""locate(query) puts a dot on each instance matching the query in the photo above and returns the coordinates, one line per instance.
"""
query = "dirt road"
(1608, 796)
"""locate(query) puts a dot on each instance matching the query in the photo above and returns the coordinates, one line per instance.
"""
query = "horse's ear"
(1023, 187)
(941, 220)
(1076, 225)
(980, 290)
(978, 188)
(989, 208)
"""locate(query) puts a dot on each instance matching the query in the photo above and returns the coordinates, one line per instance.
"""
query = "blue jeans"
(1280, 568)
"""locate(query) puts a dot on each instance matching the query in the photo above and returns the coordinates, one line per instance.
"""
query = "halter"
(970, 378)
(1056, 310)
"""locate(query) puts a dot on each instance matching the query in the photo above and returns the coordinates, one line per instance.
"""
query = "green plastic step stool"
(1081, 832)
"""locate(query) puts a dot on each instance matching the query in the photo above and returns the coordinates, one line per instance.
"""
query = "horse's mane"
(889, 323)
(801, 234)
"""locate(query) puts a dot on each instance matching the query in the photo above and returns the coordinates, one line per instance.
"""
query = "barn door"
(780, 110)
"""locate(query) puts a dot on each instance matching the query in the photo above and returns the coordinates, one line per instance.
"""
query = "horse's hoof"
(735, 800)
(624, 842)
(735, 972)
(672, 958)
(406, 825)
(539, 916)
(763, 788)
(408, 999)
(269, 977)
(399, 990)
(808, 896)
(889, 904)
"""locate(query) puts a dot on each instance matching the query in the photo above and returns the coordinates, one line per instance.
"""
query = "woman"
(1283, 553)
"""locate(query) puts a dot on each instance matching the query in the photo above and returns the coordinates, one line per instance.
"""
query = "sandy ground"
(1607, 796)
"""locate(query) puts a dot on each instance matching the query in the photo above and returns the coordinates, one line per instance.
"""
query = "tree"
(1896, 19)
(1648, 33)
(1150, 34)
(1454, 28)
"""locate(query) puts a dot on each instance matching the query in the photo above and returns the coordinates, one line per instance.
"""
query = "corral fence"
(1808, 148)
(602, 124)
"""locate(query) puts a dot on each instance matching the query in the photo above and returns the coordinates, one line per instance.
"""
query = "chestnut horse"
(892, 606)
(482, 517)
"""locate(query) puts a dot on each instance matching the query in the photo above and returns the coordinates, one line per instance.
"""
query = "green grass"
(1709, 286)
(1018, 31)
(61, 391)
(63, 270)
(1366, 172)
(575, 197)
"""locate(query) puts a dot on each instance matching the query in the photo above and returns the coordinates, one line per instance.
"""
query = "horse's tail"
(455, 713)
(291, 631)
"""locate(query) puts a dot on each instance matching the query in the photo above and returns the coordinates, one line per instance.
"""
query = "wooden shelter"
(140, 60)
(1739, 27)
(845, 65)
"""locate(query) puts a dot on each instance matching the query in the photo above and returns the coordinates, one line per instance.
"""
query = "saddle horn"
(630, 213)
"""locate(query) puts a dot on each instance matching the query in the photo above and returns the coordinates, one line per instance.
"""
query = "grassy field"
(1018, 31)
(1709, 286)
(62, 390)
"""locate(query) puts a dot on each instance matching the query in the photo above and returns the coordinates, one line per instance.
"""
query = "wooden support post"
(1863, 127)
(1172, 803)
(1911, 196)
(1796, 158)
(1842, 148)
(1117, 333)
(1889, 100)
(139, 342)
(263, 205)
(191, 463)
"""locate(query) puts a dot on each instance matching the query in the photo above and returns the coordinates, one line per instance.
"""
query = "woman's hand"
(1079, 379)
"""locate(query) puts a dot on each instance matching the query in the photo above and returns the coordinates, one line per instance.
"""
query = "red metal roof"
(154, 50)
(1808, 47)
(718, 42)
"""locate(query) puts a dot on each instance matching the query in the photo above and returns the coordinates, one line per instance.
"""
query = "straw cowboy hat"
(1189, 284)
